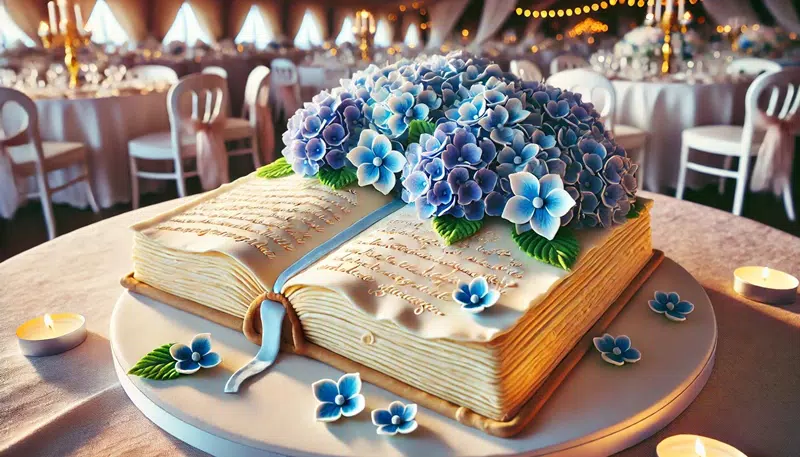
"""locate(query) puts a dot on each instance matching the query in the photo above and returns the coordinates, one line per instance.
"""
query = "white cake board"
(598, 410)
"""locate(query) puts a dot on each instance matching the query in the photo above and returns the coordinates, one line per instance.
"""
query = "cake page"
(399, 270)
(264, 224)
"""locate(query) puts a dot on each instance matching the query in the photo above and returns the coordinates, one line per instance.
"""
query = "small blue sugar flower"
(475, 296)
(376, 162)
(398, 418)
(540, 203)
(616, 351)
(404, 110)
(671, 306)
(338, 398)
(195, 356)
(514, 157)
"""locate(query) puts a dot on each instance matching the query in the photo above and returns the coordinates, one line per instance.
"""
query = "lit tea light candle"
(695, 446)
(765, 285)
(51, 334)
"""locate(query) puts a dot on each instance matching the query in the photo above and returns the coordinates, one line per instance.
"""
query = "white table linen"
(72, 404)
(664, 110)
(104, 125)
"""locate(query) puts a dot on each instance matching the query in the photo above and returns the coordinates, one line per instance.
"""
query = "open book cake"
(536, 235)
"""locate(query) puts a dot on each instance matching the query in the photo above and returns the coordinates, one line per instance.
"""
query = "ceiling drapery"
(26, 15)
(785, 15)
(494, 14)
(724, 11)
(444, 15)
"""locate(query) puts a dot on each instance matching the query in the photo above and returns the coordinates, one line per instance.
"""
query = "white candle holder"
(695, 446)
(51, 334)
(765, 285)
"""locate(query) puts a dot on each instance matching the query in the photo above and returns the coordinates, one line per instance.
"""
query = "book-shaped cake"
(447, 230)
(384, 298)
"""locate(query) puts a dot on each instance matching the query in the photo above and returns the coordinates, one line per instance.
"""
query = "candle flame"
(699, 449)
(48, 321)
(765, 273)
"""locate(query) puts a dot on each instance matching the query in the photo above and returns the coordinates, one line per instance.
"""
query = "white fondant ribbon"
(272, 318)
(773, 166)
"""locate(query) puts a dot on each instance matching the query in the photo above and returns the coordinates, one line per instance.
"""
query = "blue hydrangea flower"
(475, 296)
(540, 203)
(465, 151)
(671, 306)
(417, 183)
(398, 418)
(376, 162)
(616, 351)
(195, 356)
(514, 157)
(404, 110)
(338, 398)
(469, 113)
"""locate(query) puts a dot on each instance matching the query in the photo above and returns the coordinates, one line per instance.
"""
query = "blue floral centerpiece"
(462, 140)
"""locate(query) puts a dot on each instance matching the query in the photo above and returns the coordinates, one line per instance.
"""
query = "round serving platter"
(598, 410)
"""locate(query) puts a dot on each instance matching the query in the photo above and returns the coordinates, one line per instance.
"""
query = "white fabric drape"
(494, 14)
(444, 15)
(734, 12)
(785, 14)
(384, 33)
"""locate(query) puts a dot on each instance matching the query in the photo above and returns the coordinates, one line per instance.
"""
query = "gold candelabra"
(667, 21)
(364, 25)
(65, 29)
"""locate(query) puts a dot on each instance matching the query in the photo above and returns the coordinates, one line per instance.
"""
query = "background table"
(72, 404)
(104, 125)
(664, 110)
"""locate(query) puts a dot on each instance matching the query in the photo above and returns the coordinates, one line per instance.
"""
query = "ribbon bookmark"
(272, 313)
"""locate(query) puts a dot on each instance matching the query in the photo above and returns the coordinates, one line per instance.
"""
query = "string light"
(588, 26)
(527, 13)
(519, 11)
(465, 33)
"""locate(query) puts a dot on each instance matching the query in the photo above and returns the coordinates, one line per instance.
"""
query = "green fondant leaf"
(452, 229)
(416, 128)
(636, 209)
(158, 364)
(337, 179)
(276, 169)
(561, 252)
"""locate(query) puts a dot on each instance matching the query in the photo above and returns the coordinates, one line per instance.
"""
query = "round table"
(104, 125)
(73, 404)
(664, 110)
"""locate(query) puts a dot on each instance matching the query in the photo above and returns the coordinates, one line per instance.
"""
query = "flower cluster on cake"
(464, 141)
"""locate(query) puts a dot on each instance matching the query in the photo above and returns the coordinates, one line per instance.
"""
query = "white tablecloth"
(664, 110)
(104, 125)
(72, 404)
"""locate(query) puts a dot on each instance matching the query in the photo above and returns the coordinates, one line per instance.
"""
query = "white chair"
(153, 73)
(526, 70)
(743, 142)
(30, 156)
(590, 84)
(215, 70)
(752, 66)
(177, 144)
(567, 62)
(255, 111)
(286, 82)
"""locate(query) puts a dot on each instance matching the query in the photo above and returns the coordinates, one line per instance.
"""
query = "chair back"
(771, 104)
(567, 62)
(284, 72)
(215, 70)
(257, 110)
(19, 128)
(752, 66)
(153, 73)
(772, 97)
(526, 70)
(285, 81)
(593, 87)
(197, 97)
